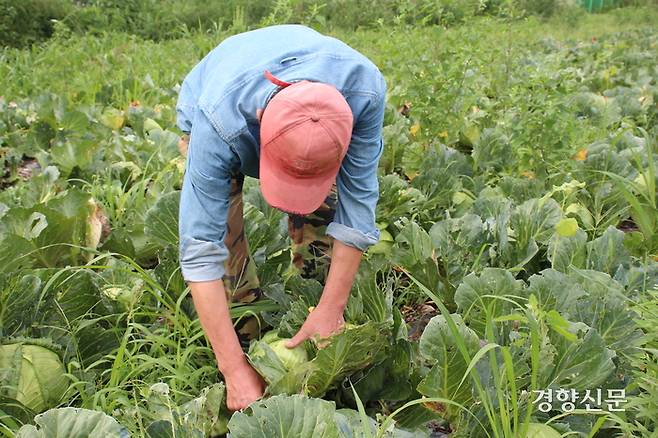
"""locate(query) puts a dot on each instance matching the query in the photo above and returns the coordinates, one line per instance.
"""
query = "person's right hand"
(243, 387)
(243, 384)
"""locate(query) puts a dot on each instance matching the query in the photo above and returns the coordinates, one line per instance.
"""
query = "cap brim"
(293, 194)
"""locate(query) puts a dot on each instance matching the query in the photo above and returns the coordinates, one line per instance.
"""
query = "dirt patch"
(417, 316)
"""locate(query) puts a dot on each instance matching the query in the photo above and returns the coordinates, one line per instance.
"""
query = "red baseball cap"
(305, 130)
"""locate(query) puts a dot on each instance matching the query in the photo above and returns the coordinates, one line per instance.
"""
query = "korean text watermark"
(592, 400)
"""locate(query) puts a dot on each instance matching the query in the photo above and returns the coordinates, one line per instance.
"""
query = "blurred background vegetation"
(25, 22)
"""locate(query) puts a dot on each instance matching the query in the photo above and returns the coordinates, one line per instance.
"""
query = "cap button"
(315, 118)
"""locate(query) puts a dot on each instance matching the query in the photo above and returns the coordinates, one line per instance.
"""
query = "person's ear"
(259, 113)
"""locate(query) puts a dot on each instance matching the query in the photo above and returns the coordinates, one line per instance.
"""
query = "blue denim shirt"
(217, 106)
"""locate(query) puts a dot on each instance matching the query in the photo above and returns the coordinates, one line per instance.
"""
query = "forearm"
(345, 262)
(212, 307)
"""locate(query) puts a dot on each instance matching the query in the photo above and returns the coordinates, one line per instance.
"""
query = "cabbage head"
(32, 374)
(290, 358)
(540, 430)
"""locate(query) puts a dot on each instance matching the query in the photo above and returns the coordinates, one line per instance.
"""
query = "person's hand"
(321, 323)
(243, 387)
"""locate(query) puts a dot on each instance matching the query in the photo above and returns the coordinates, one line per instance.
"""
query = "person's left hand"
(321, 323)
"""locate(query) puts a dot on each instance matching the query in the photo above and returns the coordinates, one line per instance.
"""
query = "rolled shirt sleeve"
(204, 202)
(357, 184)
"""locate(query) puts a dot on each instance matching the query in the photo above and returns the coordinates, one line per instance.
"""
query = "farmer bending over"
(302, 112)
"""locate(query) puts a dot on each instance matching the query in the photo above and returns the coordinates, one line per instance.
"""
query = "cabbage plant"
(289, 357)
(32, 374)
(540, 430)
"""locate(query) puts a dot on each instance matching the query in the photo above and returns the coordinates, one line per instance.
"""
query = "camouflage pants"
(311, 249)
(311, 252)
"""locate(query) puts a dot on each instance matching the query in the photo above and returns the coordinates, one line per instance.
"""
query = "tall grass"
(160, 340)
(644, 401)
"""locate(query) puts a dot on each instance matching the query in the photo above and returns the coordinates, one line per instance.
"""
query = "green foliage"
(494, 293)
(352, 350)
(517, 192)
(32, 375)
(290, 357)
(202, 416)
(645, 368)
(543, 8)
(47, 234)
(299, 416)
(160, 20)
(439, 347)
(283, 416)
(539, 430)
(161, 221)
(24, 22)
(73, 423)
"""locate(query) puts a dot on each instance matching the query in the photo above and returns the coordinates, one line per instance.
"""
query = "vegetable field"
(519, 253)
